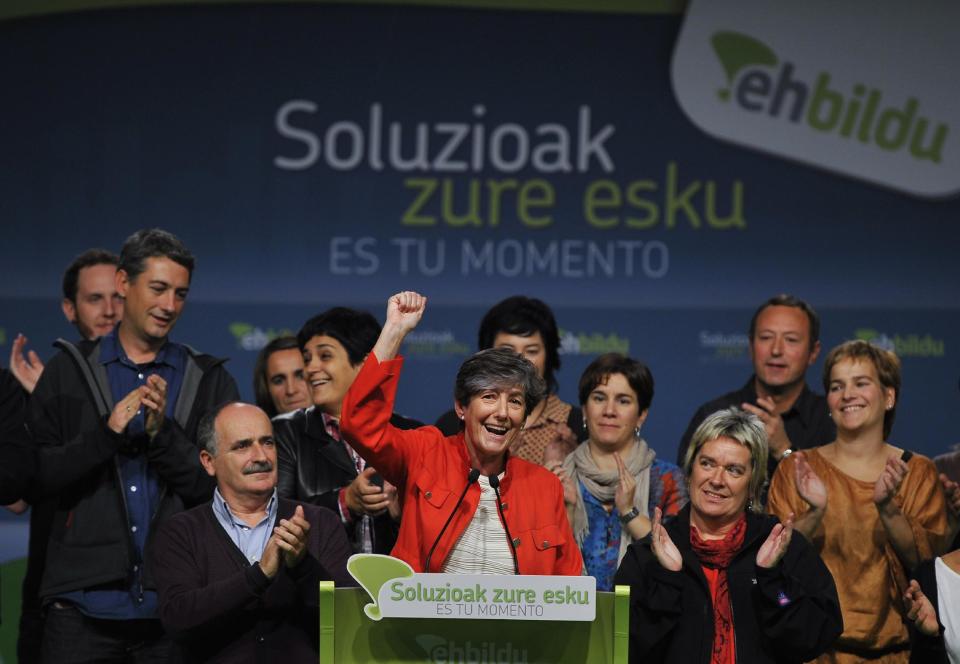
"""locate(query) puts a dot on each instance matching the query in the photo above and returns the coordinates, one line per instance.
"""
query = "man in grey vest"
(115, 423)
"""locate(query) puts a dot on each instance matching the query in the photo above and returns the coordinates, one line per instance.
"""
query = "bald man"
(238, 576)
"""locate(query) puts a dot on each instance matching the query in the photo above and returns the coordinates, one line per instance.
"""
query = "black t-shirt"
(807, 423)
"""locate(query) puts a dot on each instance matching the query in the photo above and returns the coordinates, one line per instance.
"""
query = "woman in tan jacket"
(871, 509)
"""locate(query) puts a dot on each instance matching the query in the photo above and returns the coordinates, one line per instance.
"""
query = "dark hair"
(152, 243)
(885, 362)
(89, 258)
(784, 300)
(523, 316)
(636, 372)
(356, 330)
(498, 368)
(261, 387)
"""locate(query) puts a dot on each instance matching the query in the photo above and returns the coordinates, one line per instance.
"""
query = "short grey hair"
(499, 368)
(746, 429)
(207, 430)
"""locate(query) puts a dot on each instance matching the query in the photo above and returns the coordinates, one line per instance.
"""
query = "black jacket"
(807, 423)
(671, 617)
(313, 467)
(18, 459)
(927, 649)
(89, 542)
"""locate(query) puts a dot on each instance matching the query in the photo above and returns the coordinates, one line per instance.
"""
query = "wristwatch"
(629, 516)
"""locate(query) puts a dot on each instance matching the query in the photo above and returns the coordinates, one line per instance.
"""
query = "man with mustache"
(784, 342)
(238, 575)
(114, 421)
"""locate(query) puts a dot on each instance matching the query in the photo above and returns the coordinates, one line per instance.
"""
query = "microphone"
(472, 477)
(495, 484)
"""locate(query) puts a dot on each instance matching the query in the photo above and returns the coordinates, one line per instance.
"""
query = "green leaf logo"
(736, 51)
(372, 571)
(240, 329)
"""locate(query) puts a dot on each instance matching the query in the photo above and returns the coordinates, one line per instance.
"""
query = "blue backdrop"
(321, 155)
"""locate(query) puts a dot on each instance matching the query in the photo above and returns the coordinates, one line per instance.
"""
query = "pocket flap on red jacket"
(428, 488)
(546, 537)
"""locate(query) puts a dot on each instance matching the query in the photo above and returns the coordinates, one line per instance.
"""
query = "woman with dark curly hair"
(527, 326)
(494, 392)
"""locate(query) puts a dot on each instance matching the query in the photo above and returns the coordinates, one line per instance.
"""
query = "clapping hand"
(920, 611)
(809, 485)
(663, 548)
(626, 488)
(154, 398)
(288, 543)
(553, 462)
(25, 367)
(889, 481)
(766, 410)
(291, 537)
(125, 410)
(775, 546)
(565, 440)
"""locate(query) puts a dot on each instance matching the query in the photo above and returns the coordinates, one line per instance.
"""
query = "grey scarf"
(602, 485)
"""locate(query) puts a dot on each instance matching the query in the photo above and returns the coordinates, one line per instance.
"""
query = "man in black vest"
(115, 421)
(91, 303)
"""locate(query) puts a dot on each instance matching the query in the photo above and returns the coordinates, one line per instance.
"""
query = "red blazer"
(430, 471)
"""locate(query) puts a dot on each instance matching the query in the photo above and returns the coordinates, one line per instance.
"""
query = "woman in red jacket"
(468, 506)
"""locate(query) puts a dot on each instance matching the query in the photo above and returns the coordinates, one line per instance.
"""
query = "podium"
(348, 636)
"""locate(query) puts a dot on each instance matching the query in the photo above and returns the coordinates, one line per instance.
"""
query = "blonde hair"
(746, 429)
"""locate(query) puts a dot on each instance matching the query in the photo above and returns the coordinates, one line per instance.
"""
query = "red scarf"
(717, 554)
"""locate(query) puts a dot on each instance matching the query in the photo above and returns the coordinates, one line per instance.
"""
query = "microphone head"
(494, 481)
(473, 476)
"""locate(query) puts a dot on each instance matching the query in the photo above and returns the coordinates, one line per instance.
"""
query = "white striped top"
(483, 547)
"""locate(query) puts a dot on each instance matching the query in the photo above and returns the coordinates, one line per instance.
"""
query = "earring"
(636, 432)
(584, 424)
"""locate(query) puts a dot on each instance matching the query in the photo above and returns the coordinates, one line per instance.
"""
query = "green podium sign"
(348, 635)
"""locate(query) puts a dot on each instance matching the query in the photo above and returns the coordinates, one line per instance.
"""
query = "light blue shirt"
(251, 540)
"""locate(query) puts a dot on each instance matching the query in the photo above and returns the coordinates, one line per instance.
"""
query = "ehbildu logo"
(759, 82)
